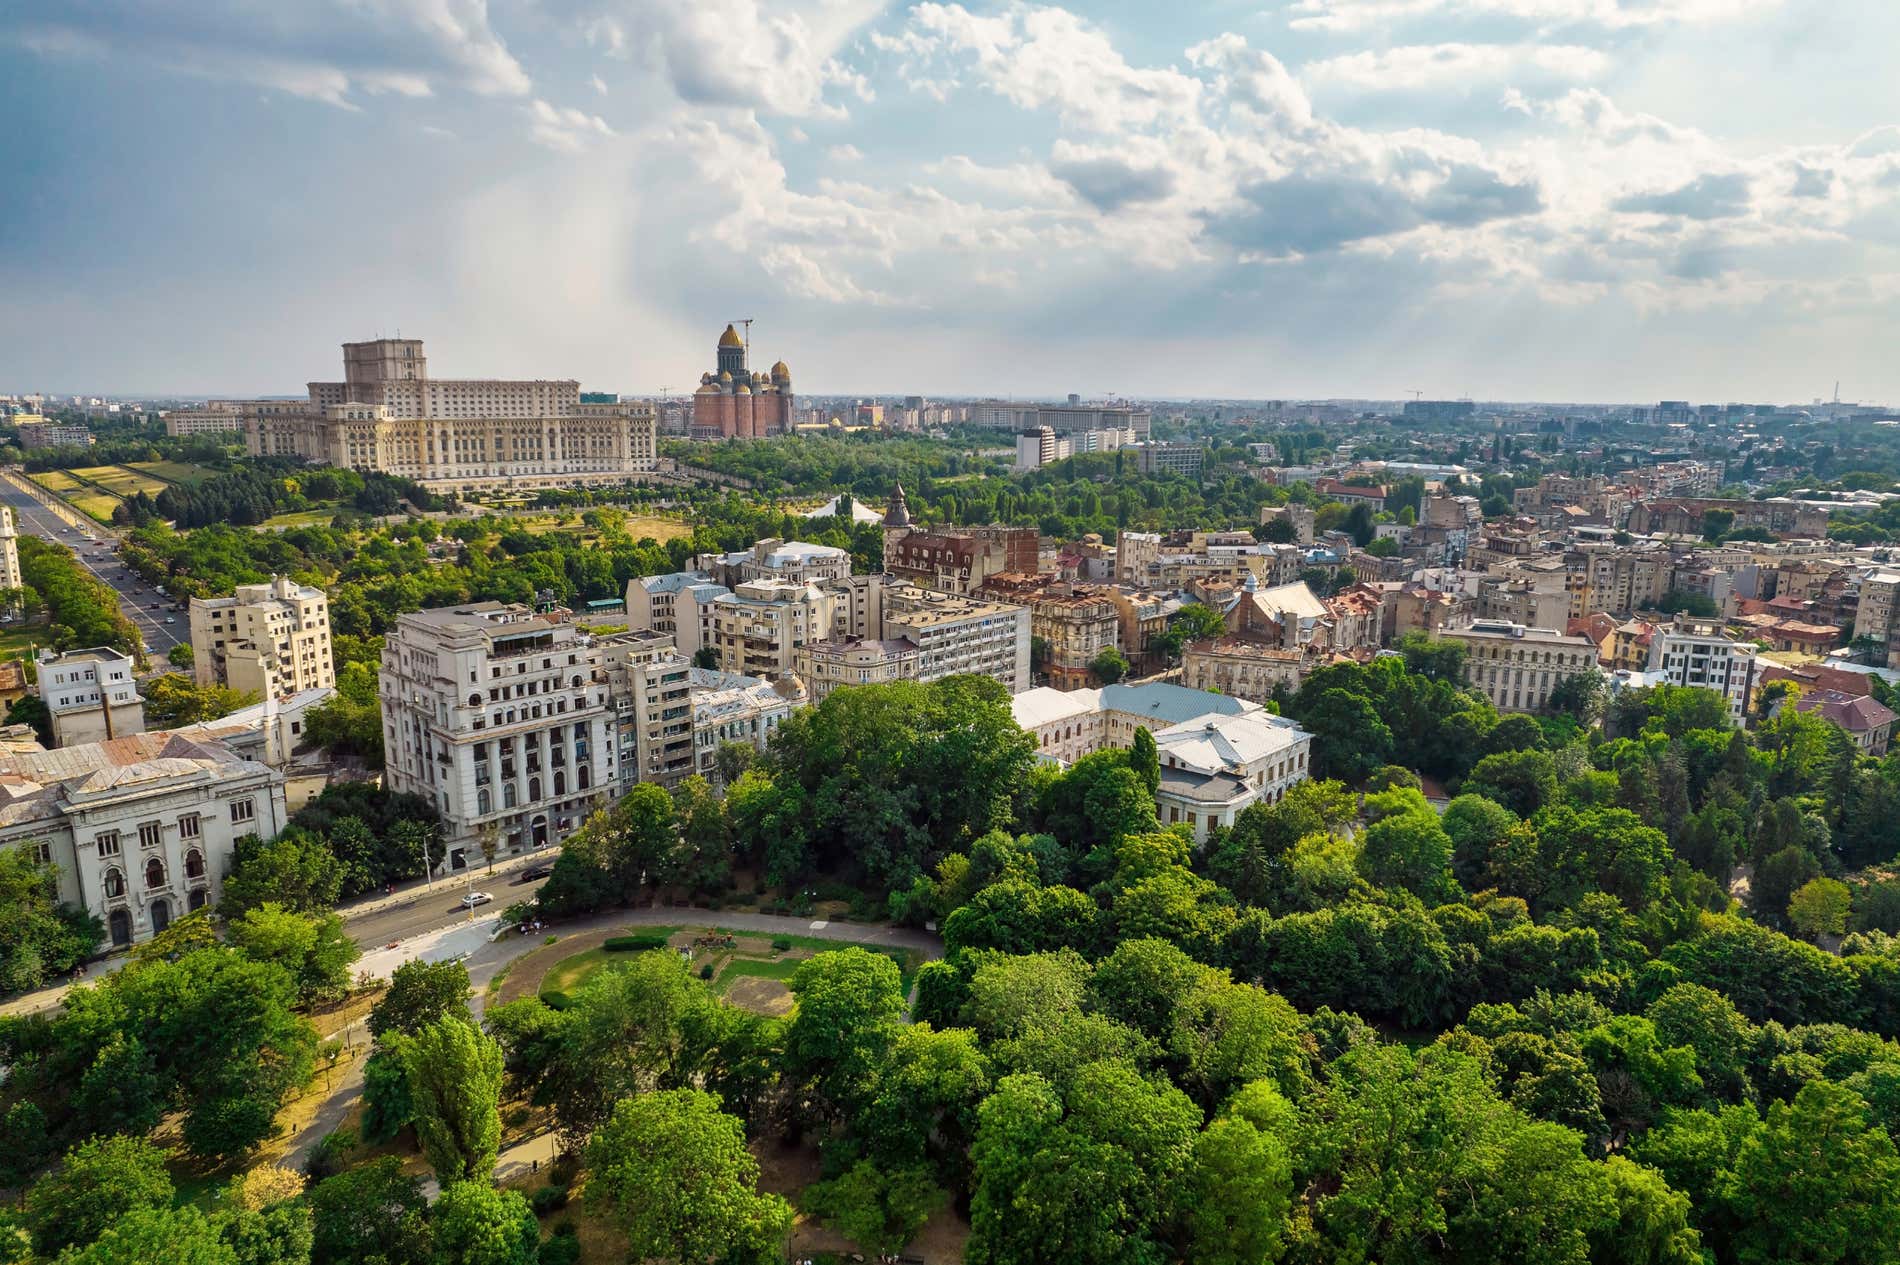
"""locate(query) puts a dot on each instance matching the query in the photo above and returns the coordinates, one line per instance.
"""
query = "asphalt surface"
(141, 604)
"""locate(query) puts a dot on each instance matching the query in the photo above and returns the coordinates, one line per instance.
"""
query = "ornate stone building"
(734, 402)
(389, 415)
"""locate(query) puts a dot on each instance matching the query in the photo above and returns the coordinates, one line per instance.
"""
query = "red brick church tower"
(732, 401)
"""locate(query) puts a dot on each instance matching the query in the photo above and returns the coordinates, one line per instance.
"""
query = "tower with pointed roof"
(735, 402)
(896, 519)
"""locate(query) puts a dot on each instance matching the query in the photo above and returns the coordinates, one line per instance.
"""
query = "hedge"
(633, 944)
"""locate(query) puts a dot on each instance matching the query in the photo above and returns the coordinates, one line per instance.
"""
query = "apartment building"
(826, 665)
(1156, 457)
(1300, 518)
(1516, 667)
(266, 639)
(790, 561)
(142, 828)
(1878, 616)
(759, 628)
(959, 634)
(728, 708)
(91, 695)
(38, 432)
(9, 550)
(1700, 653)
(1242, 668)
(1075, 622)
(499, 717)
(649, 689)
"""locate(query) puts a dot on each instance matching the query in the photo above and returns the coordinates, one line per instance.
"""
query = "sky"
(1594, 200)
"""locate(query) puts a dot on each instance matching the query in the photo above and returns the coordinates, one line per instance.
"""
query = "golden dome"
(707, 388)
(780, 371)
(743, 390)
(731, 338)
(725, 375)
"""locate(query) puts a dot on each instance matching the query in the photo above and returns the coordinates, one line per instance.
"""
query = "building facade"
(389, 415)
(1516, 667)
(91, 695)
(265, 639)
(1699, 653)
(498, 717)
(9, 551)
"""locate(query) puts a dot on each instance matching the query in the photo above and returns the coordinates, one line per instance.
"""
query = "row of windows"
(154, 874)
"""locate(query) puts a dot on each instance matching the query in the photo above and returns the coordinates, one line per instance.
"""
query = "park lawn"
(739, 968)
(640, 526)
(172, 471)
(123, 482)
(564, 976)
(96, 505)
(18, 643)
(56, 481)
(300, 518)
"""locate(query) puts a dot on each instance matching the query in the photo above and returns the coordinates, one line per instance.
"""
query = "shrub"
(781, 945)
(548, 1199)
(550, 940)
(331, 1154)
(706, 971)
(633, 944)
(555, 999)
(563, 1249)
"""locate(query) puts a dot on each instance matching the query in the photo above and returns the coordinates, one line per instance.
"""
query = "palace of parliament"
(389, 415)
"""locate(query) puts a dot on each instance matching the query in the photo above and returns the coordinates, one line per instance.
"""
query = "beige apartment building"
(759, 628)
(90, 694)
(826, 665)
(1516, 667)
(265, 639)
(9, 551)
(216, 417)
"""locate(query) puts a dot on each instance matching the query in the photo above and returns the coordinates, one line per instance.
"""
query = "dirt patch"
(761, 996)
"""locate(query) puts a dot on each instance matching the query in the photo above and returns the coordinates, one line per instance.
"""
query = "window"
(194, 864)
(154, 874)
(150, 835)
(243, 810)
(115, 882)
(108, 841)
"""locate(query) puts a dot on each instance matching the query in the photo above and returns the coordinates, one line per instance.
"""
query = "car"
(171, 619)
(534, 872)
(475, 898)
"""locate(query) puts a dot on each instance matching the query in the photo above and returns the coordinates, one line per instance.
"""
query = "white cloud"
(1411, 67)
(600, 85)
(325, 50)
(564, 129)
(778, 56)
(1359, 15)
(844, 153)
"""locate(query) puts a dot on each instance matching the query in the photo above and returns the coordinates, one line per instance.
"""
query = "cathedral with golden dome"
(734, 402)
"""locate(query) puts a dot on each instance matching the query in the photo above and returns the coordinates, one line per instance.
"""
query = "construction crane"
(747, 322)
(1417, 394)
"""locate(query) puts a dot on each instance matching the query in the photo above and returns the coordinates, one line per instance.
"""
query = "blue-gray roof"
(1167, 704)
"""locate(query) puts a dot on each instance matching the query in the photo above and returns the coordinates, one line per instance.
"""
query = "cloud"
(564, 130)
(1360, 15)
(325, 50)
(1707, 197)
(777, 56)
(845, 153)
(1109, 183)
(1412, 67)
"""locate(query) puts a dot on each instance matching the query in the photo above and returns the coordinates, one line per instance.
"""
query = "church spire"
(897, 513)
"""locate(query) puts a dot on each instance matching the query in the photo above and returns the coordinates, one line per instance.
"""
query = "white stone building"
(9, 550)
(143, 828)
(91, 695)
(1516, 667)
(1699, 653)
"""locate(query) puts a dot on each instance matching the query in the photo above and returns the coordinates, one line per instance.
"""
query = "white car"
(476, 898)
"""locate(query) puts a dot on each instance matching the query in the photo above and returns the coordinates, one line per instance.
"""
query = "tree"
(1350, 741)
(1109, 666)
(372, 1213)
(177, 1236)
(1412, 851)
(40, 938)
(181, 655)
(675, 1177)
(1238, 1195)
(1144, 759)
(1522, 781)
(847, 1017)
(1819, 907)
(1581, 696)
(419, 994)
(1433, 658)
(1816, 1182)
(1776, 881)
(100, 1181)
(475, 1224)
(455, 1083)
(295, 870)
(174, 699)
(315, 951)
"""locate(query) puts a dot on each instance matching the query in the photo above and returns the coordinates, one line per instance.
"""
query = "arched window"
(154, 874)
(507, 794)
(199, 898)
(583, 778)
(483, 805)
(474, 700)
(577, 682)
(534, 788)
(115, 882)
(560, 782)
(194, 864)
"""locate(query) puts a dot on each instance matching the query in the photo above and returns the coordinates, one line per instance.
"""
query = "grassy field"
(97, 505)
(302, 518)
(640, 526)
(123, 481)
(172, 471)
(17, 643)
(56, 481)
(753, 968)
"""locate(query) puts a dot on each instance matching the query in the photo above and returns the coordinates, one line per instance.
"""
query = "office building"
(1516, 667)
(956, 635)
(389, 415)
(1697, 652)
(216, 417)
(499, 718)
(90, 694)
(1156, 457)
(265, 639)
(142, 828)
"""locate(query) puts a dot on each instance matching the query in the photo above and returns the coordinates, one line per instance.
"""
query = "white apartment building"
(9, 551)
(791, 561)
(143, 828)
(955, 635)
(728, 708)
(499, 717)
(649, 687)
(1876, 615)
(91, 695)
(1516, 667)
(265, 639)
(1699, 653)
(38, 432)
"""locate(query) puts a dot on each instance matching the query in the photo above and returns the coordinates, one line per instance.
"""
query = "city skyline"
(1502, 199)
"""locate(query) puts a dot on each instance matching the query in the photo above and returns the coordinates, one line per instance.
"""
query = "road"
(141, 605)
